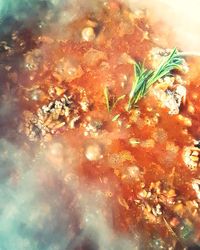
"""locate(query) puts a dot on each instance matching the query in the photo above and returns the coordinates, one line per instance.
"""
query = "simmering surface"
(143, 163)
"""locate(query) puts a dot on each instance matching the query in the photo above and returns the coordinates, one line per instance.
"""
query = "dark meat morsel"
(49, 119)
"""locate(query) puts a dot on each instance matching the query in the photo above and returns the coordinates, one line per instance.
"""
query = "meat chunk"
(191, 157)
(157, 54)
(50, 118)
(67, 70)
(93, 57)
(33, 59)
(172, 99)
(196, 187)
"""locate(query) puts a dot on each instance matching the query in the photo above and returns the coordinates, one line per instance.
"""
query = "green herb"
(115, 118)
(134, 142)
(111, 103)
(117, 100)
(145, 78)
(139, 86)
(106, 94)
(172, 62)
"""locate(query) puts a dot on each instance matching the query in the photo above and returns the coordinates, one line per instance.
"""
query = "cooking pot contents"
(99, 130)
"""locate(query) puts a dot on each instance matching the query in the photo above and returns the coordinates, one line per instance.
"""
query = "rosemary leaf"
(145, 78)
(117, 100)
(111, 104)
(115, 118)
(106, 94)
(172, 62)
(139, 84)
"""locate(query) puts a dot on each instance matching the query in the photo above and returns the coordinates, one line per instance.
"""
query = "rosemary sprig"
(145, 78)
(139, 85)
(172, 62)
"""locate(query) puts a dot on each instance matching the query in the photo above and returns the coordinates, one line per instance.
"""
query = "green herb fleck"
(110, 104)
(115, 118)
(106, 94)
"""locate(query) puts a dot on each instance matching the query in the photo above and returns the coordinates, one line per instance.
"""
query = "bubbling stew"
(116, 112)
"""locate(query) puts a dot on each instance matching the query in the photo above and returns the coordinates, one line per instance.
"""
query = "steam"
(30, 213)
(43, 204)
(185, 23)
(43, 207)
(180, 16)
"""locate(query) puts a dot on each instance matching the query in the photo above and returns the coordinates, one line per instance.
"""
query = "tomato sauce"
(136, 161)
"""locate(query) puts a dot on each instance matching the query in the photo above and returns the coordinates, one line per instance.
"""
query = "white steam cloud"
(181, 17)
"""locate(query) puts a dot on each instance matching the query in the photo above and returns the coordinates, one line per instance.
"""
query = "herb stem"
(106, 94)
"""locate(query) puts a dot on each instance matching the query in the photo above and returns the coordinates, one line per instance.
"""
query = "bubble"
(93, 152)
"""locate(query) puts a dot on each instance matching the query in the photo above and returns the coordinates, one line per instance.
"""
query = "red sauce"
(158, 155)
